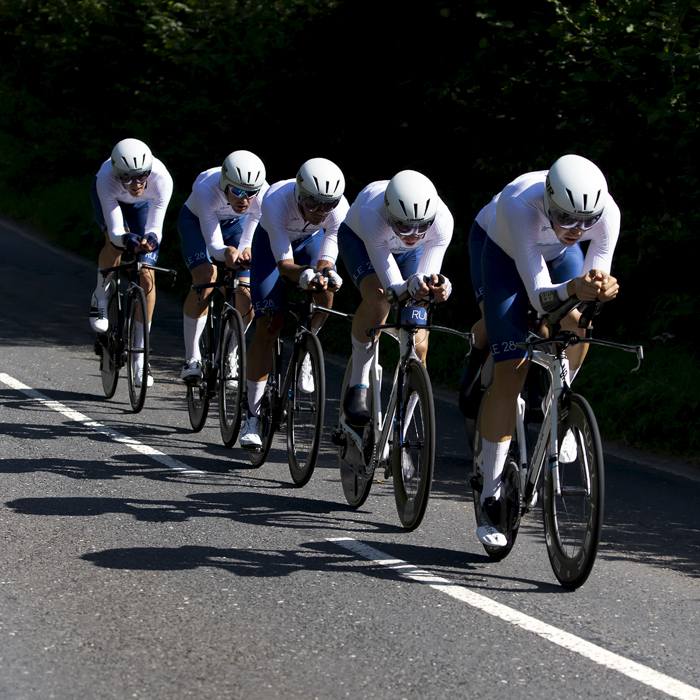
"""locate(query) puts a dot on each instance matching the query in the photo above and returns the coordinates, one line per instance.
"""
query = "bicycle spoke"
(305, 410)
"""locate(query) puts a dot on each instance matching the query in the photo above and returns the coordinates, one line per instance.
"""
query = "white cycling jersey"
(284, 223)
(211, 206)
(524, 232)
(483, 218)
(367, 220)
(111, 191)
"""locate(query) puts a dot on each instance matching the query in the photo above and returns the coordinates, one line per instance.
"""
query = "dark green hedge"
(470, 93)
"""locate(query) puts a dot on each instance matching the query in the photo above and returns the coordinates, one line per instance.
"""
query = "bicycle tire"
(511, 497)
(355, 479)
(270, 401)
(199, 394)
(305, 411)
(137, 310)
(109, 362)
(574, 520)
(232, 358)
(413, 448)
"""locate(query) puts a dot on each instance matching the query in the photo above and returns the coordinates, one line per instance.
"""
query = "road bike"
(286, 401)
(123, 344)
(402, 440)
(556, 455)
(223, 362)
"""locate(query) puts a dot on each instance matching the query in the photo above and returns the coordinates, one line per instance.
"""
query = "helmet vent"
(250, 179)
(571, 198)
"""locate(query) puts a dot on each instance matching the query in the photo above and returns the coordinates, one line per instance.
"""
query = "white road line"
(69, 413)
(601, 656)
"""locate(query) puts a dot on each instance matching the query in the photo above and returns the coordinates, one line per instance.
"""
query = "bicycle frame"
(557, 366)
(405, 336)
(303, 311)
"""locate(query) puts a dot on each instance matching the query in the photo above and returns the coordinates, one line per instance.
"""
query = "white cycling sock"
(493, 456)
(255, 395)
(362, 354)
(193, 329)
(102, 285)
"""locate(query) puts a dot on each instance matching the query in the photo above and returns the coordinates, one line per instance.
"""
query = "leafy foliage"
(470, 93)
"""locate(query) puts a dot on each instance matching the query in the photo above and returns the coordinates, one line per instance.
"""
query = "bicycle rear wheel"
(199, 394)
(413, 448)
(355, 477)
(233, 376)
(574, 519)
(137, 349)
(268, 405)
(109, 362)
(305, 409)
(510, 497)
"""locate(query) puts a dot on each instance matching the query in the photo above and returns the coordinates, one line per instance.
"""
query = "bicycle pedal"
(475, 482)
(338, 438)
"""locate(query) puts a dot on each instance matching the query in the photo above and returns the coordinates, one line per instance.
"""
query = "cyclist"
(289, 247)
(532, 250)
(217, 223)
(129, 195)
(395, 234)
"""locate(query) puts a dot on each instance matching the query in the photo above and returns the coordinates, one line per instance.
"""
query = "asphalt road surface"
(142, 560)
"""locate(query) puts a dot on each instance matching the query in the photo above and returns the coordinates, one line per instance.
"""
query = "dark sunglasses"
(242, 194)
(401, 228)
(128, 178)
(561, 218)
(312, 204)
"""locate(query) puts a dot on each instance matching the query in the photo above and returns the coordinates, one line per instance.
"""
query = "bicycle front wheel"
(109, 363)
(413, 447)
(233, 376)
(199, 394)
(305, 408)
(573, 520)
(137, 347)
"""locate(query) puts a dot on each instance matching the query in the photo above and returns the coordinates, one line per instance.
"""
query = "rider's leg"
(195, 310)
(372, 311)
(477, 239)
(498, 421)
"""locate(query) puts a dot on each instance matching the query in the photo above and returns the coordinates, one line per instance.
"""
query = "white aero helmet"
(411, 202)
(319, 183)
(242, 170)
(575, 192)
(131, 159)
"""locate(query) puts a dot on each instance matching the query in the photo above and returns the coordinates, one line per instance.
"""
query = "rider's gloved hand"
(416, 285)
(334, 279)
(151, 242)
(131, 242)
(441, 280)
(309, 277)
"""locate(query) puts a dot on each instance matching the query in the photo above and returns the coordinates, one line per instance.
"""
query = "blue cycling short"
(135, 218)
(477, 238)
(357, 262)
(266, 285)
(506, 300)
(192, 244)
